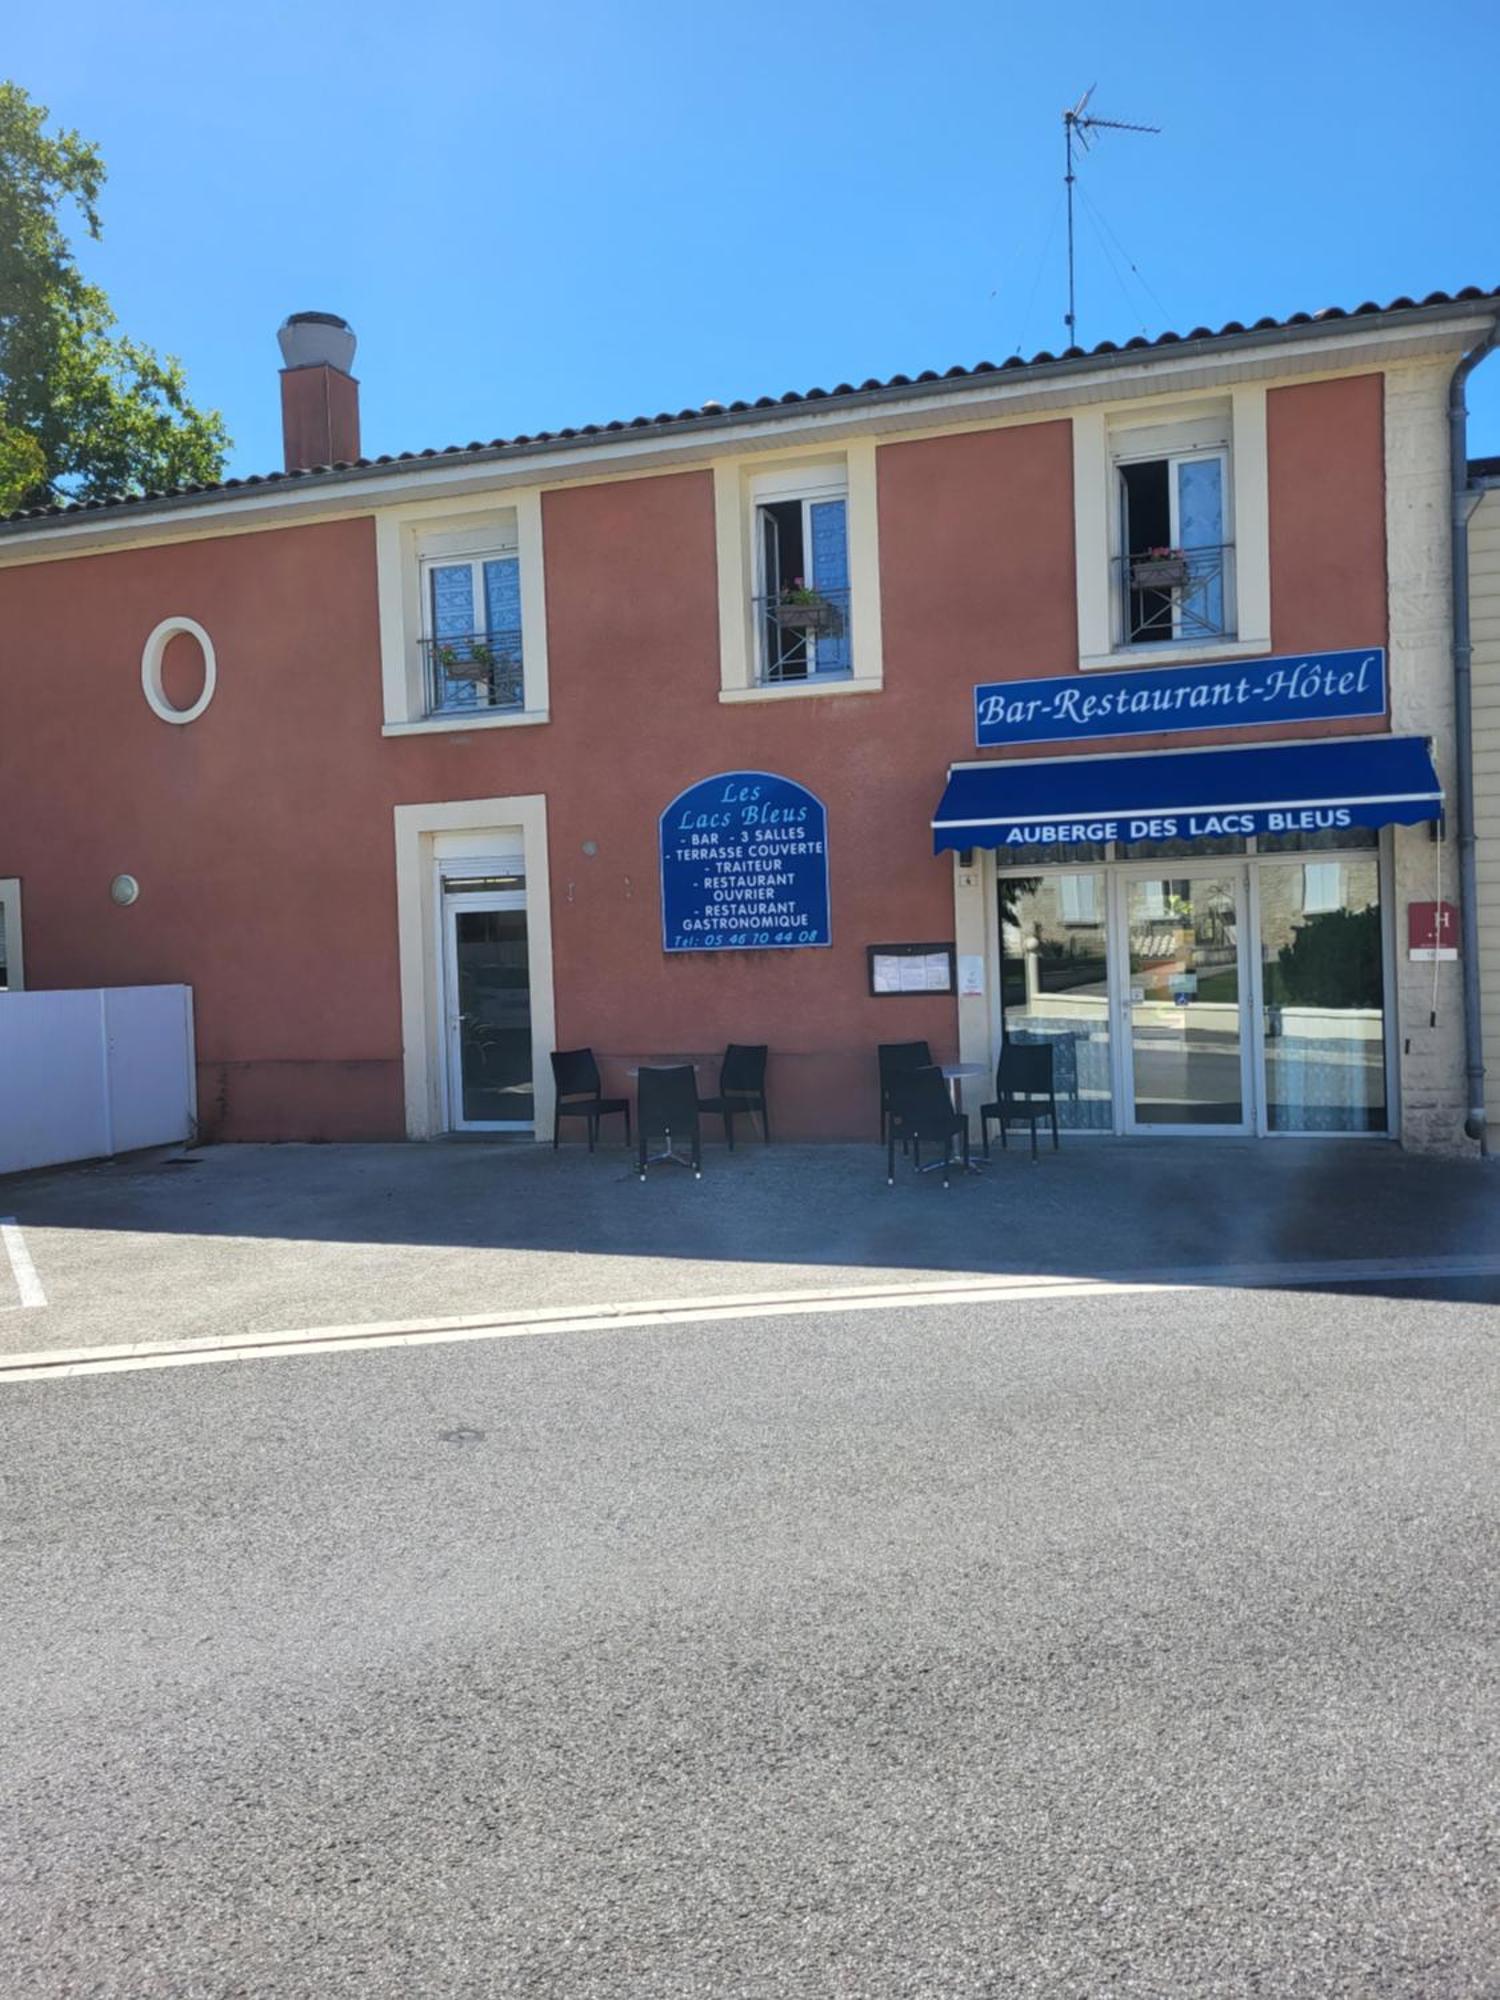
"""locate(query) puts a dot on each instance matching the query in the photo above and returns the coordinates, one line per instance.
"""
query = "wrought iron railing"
(473, 670)
(1175, 594)
(803, 633)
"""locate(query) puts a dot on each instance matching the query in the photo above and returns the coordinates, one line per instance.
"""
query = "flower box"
(467, 661)
(819, 619)
(1159, 572)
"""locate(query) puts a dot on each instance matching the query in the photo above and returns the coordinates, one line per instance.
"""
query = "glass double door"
(1203, 996)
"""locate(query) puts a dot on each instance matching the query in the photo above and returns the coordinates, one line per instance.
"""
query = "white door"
(487, 1011)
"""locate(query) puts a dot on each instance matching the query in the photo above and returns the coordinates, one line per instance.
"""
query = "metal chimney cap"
(308, 339)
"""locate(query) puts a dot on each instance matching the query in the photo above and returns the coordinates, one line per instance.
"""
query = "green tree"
(85, 412)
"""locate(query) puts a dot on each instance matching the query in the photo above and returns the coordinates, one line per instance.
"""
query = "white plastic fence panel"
(94, 1071)
(151, 1071)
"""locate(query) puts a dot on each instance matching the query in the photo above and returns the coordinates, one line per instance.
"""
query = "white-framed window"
(472, 650)
(12, 965)
(1322, 887)
(462, 614)
(1079, 898)
(1174, 576)
(798, 554)
(803, 602)
(1172, 530)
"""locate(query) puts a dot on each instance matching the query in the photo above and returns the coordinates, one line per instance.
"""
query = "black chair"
(667, 1103)
(1024, 1092)
(580, 1094)
(920, 1108)
(1064, 1048)
(895, 1059)
(742, 1088)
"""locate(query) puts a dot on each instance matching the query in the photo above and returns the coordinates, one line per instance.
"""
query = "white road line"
(28, 1284)
(647, 1314)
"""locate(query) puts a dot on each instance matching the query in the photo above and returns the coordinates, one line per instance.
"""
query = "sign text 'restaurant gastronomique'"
(1155, 701)
(744, 865)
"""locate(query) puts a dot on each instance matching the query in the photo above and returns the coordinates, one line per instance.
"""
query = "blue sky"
(536, 216)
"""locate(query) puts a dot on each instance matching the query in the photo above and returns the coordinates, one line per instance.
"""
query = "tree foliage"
(85, 411)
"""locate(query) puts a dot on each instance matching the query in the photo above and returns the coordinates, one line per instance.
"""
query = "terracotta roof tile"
(710, 413)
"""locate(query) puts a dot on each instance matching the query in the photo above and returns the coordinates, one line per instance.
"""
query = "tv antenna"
(1079, 126)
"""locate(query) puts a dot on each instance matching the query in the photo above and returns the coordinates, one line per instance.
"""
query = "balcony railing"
(473, 670)
(1167, 594)
(801, 640)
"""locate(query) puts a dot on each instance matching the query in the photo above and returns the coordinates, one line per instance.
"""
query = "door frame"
(450, 908)
(1181, 868)
(984, 1035)
(484, 828)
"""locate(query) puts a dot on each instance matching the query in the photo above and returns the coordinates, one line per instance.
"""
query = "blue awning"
(1189, 794)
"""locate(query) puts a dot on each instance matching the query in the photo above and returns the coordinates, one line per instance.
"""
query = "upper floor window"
(1171, 544)
(803, 618)
(1175, 557)
(463, 613)
(471, 642)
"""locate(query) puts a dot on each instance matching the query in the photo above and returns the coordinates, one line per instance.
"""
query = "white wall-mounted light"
(124, 890)
(155, 653)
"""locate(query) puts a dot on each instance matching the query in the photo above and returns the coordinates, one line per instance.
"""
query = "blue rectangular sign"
(744, 865)
(1157, 701)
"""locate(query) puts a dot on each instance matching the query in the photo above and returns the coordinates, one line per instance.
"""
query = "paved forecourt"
(255, 1240)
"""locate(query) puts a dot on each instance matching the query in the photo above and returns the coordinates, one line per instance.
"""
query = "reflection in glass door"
(489, 1013)
(1186, 1056)
(1054, 985)
(1323, 987)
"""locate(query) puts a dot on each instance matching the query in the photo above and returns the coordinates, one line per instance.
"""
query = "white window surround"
(1102, 439)
(490, 826)
(739, 484)
(153, 657)
(408, 537)
(10, 909)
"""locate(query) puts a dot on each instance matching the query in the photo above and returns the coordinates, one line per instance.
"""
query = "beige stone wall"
(1484, 603)
(1430, 1057)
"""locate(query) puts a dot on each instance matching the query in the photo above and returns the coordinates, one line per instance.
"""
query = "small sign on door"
(1431, 930)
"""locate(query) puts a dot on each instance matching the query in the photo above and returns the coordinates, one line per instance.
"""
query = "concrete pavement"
(260, 1238)
(1142, 1645)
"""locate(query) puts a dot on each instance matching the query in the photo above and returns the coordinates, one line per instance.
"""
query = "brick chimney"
(319, 397)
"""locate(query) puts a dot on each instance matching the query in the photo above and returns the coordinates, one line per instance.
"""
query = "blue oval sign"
(744, 865)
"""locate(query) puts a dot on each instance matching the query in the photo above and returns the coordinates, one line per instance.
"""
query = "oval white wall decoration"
(151, 665)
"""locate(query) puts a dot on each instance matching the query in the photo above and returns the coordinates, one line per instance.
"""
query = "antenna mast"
(1078, 126)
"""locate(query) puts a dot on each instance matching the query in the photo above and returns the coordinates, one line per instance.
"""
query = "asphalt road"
(1141, 1645)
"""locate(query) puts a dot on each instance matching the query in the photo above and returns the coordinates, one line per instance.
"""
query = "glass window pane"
(1185, 1001)
(829, 524)
(1357, 838)
(502, 601)
(452, 600)
(1200, 503)
(1185, 850)
(1051, 857)
(1055, 987)
(494, 1008)
(1324, 997)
